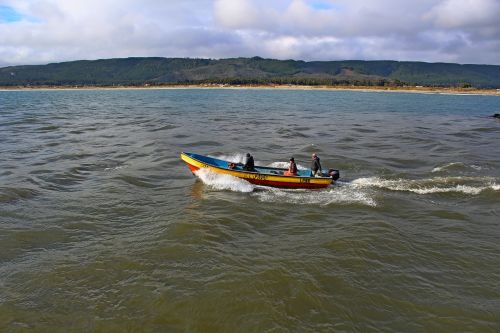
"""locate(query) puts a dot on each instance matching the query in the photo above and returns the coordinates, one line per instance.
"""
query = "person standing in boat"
(315, 166)
(249, 164)
(292, 169)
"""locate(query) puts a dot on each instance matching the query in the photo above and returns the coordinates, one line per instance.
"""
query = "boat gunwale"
(251, 172)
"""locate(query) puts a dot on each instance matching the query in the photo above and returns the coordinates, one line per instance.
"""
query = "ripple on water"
(456, 166)
(71, 157)
(13, 194)
(364, 130)
(201, 143)
(290, 133)
(48, 128)
(139, 232)
(181, 136)
(164, 128)
(62, 181)
(22, 241)
(136, 181)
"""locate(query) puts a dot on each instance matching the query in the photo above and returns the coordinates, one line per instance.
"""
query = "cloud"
(451, 14)
(42, 31)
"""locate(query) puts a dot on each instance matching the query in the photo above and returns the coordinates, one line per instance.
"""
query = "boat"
(264, 176)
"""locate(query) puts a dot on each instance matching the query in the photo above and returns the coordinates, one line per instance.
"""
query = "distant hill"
(256, 70)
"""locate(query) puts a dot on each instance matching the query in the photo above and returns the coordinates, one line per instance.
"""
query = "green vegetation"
(256, 70)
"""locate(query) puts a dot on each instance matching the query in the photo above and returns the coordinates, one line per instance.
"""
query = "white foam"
(235, 157)
(282, 165)
(224, 182)
(339, 195)
(459, 188)
(285, 165)
(446, 166)
(115, 168)
(429, 186)
(241, 158)
(455, 165)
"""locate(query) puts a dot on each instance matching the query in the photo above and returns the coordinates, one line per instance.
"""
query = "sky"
(44, 31)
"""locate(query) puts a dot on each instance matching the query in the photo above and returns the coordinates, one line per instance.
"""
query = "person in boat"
(249, 164)
(315, 166)
(292, 169)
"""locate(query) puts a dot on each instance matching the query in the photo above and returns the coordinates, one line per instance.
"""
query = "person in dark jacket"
(315, 166)
(249, 164)
(292, 169)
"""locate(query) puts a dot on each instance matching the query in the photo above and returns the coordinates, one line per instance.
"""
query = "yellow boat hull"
(195, 163)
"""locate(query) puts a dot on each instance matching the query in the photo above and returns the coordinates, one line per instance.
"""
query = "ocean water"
(104, 229)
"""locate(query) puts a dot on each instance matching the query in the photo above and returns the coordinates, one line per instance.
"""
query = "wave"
(202, 143)
(119, 167)
(136, 181)
(48, 128)
(455, 166)
(224, 182)
(466, 185)
(235, 157)
(360, 191)
(241, 158)
(291, 133)
(164, 128)
(342, 194)
(11, 194)
(285, 165)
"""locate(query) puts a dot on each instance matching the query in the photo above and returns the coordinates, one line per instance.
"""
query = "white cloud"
(464, 31)
(451, 14)
(237, 14)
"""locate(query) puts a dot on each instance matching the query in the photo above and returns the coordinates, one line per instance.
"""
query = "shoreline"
(409, 89)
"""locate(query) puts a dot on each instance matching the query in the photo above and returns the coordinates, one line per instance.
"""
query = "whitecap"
(430, 186)
(338, 195)
(455, 166)
(344, 193)
(447, 166)
(285, 165)
(114, 168)
(235, 157)
(224, 182)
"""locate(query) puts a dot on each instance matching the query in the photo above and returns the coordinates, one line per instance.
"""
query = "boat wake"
(465, 185)
(360, 191)
(235, 158)
(344, 193)
(285, 165)
(241, 158)
(218, 181)
(339, 195)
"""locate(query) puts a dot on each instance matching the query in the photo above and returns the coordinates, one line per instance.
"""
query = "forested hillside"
(140, 71)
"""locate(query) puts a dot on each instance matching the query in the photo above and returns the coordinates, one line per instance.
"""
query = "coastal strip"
(403, 89)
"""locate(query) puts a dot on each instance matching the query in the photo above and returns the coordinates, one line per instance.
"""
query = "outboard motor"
(335, 174)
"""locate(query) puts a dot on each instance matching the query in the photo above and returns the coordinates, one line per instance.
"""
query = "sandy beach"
(405, 89)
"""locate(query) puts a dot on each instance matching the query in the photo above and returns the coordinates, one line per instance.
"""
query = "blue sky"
(8, 14)
(43, 31)
(323, 5)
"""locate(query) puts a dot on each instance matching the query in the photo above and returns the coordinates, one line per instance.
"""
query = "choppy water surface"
(103, 228)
